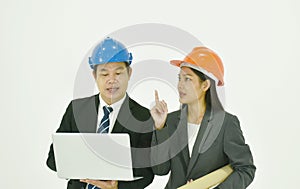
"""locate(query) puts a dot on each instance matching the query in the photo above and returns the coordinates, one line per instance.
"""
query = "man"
(110, 62)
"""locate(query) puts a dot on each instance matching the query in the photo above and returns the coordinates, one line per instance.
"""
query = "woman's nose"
(179, 85)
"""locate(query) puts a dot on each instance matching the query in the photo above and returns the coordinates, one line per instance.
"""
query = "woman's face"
(190, 88)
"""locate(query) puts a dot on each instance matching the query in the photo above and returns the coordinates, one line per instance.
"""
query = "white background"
(42, 44)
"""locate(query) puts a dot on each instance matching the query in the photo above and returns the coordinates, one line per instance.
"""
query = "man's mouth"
(181, 94)
(112, 89)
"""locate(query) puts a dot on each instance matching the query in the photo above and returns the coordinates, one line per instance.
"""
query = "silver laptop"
(93, 156)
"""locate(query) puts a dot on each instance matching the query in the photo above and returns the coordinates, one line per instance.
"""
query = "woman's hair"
(211, 96)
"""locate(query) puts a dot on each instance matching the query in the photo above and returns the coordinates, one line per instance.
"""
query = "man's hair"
(126, 64)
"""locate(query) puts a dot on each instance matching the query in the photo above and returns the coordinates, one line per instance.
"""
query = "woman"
(201, 137)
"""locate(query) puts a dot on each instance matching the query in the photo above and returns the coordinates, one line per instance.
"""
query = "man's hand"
(109, 184)
(159, 112)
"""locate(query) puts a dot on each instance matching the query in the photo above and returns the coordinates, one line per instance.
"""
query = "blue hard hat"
(109, 50)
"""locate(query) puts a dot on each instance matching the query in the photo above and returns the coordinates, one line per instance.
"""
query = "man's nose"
(112, 78)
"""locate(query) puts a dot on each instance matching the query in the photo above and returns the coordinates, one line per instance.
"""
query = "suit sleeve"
(141, 152)
(147, 179)
(65, 126)
(160, 156)
(239, 156)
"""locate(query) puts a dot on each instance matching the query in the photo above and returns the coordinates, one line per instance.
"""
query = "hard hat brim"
(176, 62)
(198, 68)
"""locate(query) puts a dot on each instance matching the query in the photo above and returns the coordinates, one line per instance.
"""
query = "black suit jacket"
(217, 144)
(134, 119)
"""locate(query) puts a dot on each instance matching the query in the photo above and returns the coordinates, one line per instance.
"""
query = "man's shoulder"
(85, 102)
(138, 110)
(85, 99)
(135, 104)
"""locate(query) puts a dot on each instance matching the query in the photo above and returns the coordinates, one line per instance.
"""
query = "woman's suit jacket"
(81, 116)
(217, 145)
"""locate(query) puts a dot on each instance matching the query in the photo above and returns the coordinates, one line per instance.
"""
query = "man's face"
(112, 80)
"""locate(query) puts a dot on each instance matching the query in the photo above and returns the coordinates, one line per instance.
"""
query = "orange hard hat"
(204, 60)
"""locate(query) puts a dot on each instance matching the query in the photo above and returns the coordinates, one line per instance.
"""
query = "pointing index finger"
(156, 97)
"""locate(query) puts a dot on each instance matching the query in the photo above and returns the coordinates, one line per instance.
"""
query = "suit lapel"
(123, 116)
(85, 114)
(182, 139)
(195, 152)
(214, 126)
(185, 157)
(200, 136)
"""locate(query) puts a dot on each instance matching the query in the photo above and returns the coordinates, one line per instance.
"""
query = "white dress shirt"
(113, 115)
(193, 130)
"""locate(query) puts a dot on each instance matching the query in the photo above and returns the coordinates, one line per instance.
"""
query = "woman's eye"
(187, 79)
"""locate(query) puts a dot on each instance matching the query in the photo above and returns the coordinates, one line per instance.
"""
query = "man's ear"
(94, 74)
(129, 71)
(206, 85)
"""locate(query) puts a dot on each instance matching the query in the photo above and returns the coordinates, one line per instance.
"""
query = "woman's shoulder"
(174, 114)
(231, 122)
(173, 118)
(230, 116)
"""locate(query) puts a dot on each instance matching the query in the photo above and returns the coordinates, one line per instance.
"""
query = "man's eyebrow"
(103, 70)
(120, 68)
(116, 69)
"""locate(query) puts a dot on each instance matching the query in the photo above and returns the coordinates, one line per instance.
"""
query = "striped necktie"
(90, 186)
(103, 128)
(104, 124)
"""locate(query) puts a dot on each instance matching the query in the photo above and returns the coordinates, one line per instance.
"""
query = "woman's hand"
(109, 184)
(159, 112)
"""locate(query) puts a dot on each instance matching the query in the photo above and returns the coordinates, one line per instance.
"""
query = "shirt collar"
(116, 106)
